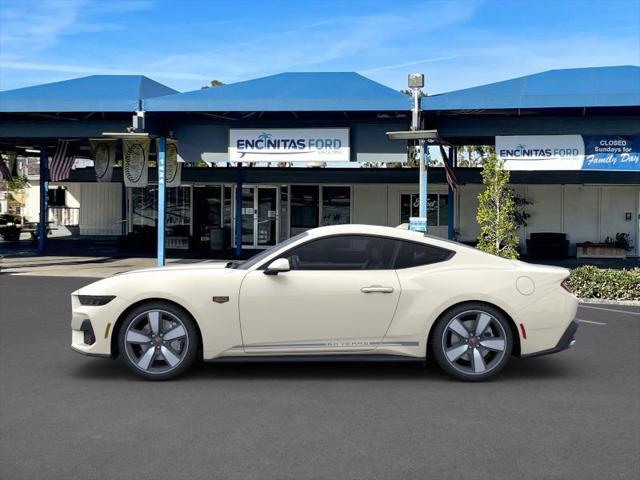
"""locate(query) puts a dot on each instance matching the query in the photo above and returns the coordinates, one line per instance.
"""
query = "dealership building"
(250, 164)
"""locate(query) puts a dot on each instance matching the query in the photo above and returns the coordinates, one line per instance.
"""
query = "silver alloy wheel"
(474, 342)
(156, 341)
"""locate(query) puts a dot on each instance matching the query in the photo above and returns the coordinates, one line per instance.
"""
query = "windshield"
(264, 254)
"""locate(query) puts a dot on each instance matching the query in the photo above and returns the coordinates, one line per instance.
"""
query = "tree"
(496, 212)
(213, 83)
(16, 190)
(474, 155)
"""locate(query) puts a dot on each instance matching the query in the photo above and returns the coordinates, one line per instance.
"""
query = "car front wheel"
(158, 341)
(472, 342)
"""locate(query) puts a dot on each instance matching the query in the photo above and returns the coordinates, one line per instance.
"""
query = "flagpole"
(44, 199)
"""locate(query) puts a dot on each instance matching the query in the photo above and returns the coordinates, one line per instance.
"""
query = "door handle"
(376, 289)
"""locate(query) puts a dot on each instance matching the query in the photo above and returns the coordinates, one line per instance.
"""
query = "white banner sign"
(136, 162)
(104, 157)
(289, 145)
(541, 152)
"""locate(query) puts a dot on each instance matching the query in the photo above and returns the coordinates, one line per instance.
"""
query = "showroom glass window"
(304, 207)
(336, 205)
(57, 197)
(437, 215)
(284, 213)
(207, 214)
(178, 220)
(144, 209)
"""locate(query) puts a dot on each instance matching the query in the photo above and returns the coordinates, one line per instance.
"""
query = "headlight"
(95, 300)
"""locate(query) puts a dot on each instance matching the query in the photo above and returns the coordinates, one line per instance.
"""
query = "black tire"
(171, 315)
(446, 343)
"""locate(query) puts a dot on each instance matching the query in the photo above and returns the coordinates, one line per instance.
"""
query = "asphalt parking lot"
(64, 416)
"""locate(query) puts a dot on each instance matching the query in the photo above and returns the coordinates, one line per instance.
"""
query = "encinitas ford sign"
(289, 145)
(569, 152)
(541, 152)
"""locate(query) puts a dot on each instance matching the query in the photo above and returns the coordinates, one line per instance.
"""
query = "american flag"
(5, 173)
(62, 161)
(451, 175)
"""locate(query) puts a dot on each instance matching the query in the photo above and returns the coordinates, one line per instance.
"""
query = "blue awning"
(577, 87)
(288, 92)
(96, 93)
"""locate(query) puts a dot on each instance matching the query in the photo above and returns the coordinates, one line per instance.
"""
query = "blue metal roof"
(297, 92)
(577, 87)
(96, 93)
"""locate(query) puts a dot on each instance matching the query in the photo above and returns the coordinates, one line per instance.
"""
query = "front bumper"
(92, 326)
(566, 341)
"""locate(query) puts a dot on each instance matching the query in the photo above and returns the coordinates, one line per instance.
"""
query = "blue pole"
(450, 208)
(162, 149)
(239, 209)
(423, 180)
(44, 199)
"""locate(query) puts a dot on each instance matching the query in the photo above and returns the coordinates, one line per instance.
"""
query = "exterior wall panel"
(370, 204)
(581, 215)
(546, 211)
(100, 209)
(615, 202)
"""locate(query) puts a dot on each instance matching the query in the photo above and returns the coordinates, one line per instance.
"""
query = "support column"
(124, 211)
(238, 209)
(450, 197)
(44, 199)
(162, 191)
(423, 179)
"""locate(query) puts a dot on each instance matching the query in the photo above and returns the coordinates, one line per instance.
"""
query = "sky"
(185, 44)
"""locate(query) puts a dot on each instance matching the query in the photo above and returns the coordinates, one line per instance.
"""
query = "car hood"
(125, 282)
(180, 267)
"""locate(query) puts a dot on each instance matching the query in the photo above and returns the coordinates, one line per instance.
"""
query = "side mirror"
(277, 266)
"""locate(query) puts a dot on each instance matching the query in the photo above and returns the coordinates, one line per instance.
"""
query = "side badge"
(220, 299)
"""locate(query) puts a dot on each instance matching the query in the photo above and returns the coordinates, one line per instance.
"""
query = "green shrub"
(606, 283)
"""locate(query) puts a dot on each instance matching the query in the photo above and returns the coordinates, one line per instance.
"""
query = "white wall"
(581, 215)
(31, 208)
(370, 204)
(546, 211)
(583, 212)
(615, 202)
(468, 228)
(73, 195)
(100, 208)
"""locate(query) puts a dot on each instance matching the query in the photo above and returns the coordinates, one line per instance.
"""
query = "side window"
(413, 254)
(344, 252)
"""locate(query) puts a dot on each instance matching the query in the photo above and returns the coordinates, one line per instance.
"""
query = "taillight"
(565, 285)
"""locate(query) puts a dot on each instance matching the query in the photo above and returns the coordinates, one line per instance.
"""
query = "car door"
(340, 296)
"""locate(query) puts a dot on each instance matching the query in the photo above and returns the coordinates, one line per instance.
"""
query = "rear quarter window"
(413, 254)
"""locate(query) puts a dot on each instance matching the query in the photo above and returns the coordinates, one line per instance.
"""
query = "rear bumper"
(566, 341)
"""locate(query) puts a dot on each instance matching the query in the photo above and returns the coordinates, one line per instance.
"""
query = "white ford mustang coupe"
(347, 292)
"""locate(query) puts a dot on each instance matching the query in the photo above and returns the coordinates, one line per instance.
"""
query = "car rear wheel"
(472, 342)
(158, 341)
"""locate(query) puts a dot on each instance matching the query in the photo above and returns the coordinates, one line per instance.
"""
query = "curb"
(603, 301)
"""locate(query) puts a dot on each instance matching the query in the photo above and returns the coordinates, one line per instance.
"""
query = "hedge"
(588, 281)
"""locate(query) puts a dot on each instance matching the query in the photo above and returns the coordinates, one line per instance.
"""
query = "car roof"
(401, 233)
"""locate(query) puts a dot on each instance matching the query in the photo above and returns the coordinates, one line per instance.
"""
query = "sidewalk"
(95, 267)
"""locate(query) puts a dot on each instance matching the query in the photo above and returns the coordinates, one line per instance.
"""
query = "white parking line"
(589, 321)
(582, 305)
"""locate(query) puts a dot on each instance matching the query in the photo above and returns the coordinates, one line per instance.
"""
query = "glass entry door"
(260, 226)
(267, 225)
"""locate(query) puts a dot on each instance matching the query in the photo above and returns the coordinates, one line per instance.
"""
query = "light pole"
(416, 83)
